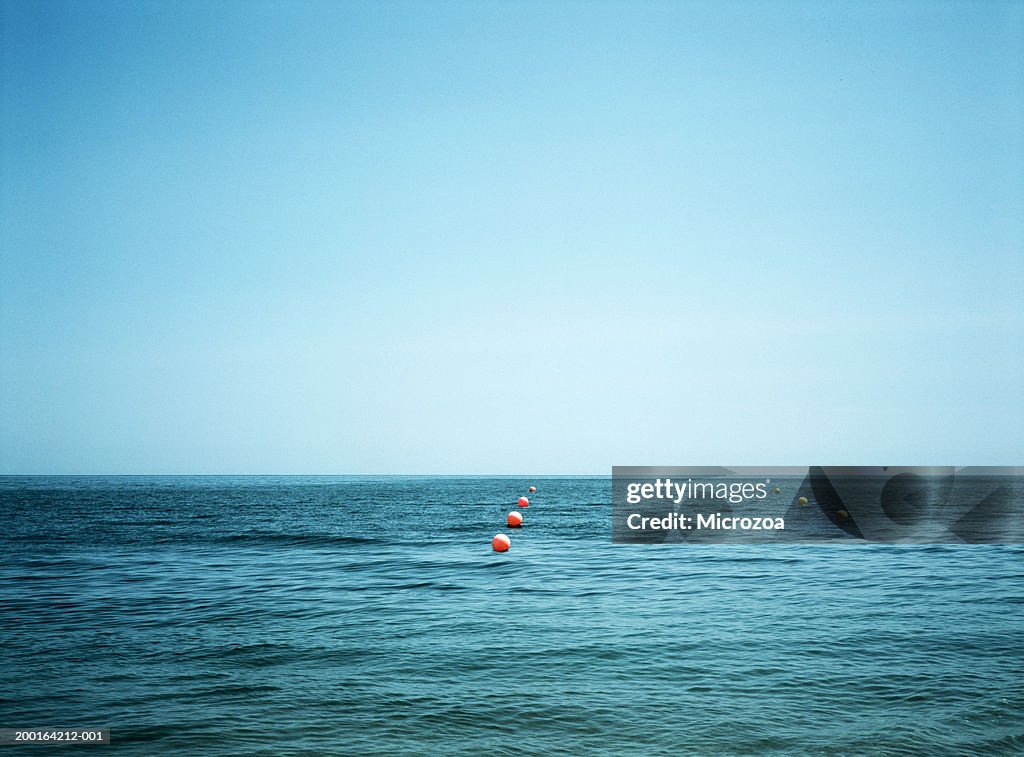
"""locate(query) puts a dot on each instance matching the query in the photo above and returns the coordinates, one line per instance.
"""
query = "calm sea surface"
(368, 615)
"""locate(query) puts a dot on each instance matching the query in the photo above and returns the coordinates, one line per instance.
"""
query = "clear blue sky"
(509, 237)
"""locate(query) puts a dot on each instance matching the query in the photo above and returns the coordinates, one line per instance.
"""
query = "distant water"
(345, 615)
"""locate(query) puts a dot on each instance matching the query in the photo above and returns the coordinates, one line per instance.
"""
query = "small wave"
(271, 539)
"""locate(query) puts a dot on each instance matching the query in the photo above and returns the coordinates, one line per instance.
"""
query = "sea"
(369, 615)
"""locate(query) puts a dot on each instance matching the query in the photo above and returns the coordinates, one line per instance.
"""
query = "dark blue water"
(323, 615)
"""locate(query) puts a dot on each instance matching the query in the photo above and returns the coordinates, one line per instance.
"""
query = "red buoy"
(501, 543)
(524, 502)
(515, 520)
(533, 489)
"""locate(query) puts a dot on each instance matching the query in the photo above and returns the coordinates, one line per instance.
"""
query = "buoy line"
(501, 542)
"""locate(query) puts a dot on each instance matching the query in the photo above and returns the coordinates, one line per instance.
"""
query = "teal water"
(348, 615)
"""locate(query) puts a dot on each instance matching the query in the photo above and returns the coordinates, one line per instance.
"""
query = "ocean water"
(368, 615)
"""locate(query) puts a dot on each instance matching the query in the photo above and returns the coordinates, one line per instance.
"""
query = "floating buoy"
(778, 490)
(515, 520)
(533, 489)
(501, 543)
(802, 501)
(524, 502)
(843, 515)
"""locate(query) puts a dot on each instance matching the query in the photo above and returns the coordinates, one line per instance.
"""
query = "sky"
(509, 237)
